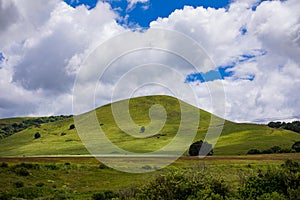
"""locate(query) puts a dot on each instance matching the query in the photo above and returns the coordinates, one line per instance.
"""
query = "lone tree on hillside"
(37, 135)
(142, 129)
(72, 126)
(205, 147)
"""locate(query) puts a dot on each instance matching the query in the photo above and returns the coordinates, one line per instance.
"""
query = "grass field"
(58, 139)
(81, 177)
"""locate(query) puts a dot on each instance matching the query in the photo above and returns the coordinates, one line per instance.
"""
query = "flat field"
(81, 177)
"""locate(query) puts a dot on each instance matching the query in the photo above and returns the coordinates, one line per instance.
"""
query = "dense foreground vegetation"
(212, 178)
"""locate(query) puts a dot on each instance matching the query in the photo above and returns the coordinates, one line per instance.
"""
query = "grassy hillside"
(10, 121)
(58, 139)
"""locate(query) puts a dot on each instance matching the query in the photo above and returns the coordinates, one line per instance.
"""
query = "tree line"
(277, 149)
(292, 126)
(10, 129)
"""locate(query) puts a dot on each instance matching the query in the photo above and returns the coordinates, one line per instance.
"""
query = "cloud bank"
(44, 44)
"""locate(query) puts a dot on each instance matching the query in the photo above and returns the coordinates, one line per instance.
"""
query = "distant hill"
(58, 139)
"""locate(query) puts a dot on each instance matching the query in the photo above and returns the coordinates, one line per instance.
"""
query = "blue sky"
(143, 13)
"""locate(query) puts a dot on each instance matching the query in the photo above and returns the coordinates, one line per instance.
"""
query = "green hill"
(58, 139)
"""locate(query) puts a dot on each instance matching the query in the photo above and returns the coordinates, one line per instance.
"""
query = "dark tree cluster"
(9, 129)
(292, 126)
(276, 149)
(296, 146)
(205, 147)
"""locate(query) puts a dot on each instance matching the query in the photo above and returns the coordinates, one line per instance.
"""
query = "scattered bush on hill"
(142, 129)
(103, 166)
(37, 135)
(72, 126)
(253, 151)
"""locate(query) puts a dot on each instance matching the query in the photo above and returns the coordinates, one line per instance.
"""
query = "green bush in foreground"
(278, 183)
(103, 195)
(283, 182)
(184, 185)
(22, 171)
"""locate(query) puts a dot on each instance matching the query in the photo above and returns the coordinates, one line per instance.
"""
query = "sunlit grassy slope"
(235, 138)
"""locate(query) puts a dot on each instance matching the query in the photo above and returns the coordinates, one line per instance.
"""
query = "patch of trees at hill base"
(292, 126)
(10, 129)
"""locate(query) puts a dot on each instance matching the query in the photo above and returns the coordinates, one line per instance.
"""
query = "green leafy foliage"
(184, 185)
(272, 196)
(281, 183)
(22, 171)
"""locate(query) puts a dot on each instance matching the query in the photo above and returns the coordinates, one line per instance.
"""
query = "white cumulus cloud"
(271, 28)
(132, 4)
(44, 44)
